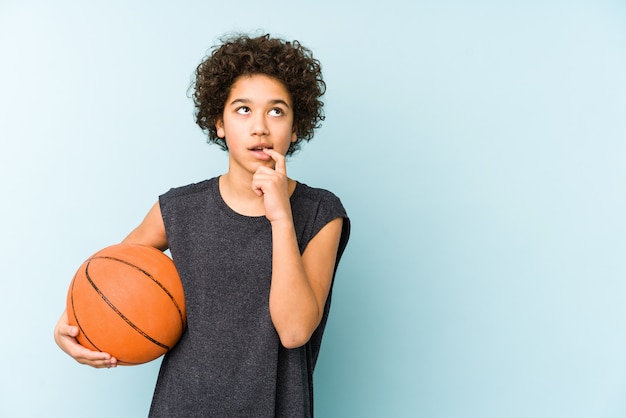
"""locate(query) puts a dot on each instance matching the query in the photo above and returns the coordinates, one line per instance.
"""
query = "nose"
(259, 125)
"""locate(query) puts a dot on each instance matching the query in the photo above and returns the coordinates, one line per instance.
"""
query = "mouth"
(259, 153)
(260, 147)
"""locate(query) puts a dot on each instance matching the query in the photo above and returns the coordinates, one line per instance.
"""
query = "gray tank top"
(230, 362)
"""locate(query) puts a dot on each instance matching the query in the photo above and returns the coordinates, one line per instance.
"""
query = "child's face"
(258, 113)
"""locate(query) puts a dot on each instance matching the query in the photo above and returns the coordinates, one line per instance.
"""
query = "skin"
(257, 124)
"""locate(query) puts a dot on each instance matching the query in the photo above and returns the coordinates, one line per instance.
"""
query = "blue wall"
(478, 146)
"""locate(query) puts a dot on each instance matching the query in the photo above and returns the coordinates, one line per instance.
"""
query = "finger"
(258, 190)
(262, 178)
(70, 330)
(257, 181)
(278, 158)
(109, 363)
(94, 355)
(100, 364)
(96, 359)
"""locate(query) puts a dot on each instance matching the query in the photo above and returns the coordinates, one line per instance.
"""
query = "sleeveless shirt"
(229, 361)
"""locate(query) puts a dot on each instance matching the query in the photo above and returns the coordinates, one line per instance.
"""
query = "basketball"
(127, 300)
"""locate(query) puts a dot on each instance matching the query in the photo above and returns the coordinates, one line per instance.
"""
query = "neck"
(238, 194)
(240, 185)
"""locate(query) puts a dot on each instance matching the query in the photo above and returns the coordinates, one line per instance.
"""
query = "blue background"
(478, 146)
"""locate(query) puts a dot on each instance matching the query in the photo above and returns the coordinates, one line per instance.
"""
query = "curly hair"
(241, 55)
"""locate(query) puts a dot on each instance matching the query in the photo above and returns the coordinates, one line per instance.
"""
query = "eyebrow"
(247, 101)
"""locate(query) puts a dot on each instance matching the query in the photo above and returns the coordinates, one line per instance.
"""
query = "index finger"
(278, 158)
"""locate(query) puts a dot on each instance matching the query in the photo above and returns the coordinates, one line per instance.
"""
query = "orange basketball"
(127, 300)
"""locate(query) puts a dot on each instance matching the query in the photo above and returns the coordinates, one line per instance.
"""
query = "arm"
(300, 283)
(151, 232)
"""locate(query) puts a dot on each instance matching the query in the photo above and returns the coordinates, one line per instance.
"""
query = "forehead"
(258, 87)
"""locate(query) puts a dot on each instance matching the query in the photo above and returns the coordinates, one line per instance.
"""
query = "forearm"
(294, 308)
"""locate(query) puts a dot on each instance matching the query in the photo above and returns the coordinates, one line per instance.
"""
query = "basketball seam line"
(112, 306)
(76, 317)
(158, 283)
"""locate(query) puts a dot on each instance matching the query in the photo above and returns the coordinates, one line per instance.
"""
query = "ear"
(294, 134)
(219, 127)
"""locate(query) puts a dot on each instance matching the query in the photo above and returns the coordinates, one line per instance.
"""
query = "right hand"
(65, 337)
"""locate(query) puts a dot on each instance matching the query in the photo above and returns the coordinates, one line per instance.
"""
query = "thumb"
(72, 331)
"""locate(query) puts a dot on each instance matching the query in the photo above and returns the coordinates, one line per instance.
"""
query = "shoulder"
(189, 189)
(307, 195)
(316, 207)
(313, 208)
(184, 200)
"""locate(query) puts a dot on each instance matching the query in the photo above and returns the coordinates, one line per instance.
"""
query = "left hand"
(273, 186)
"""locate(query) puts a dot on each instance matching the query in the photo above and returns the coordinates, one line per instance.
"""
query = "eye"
(243, 110)
(277, 111)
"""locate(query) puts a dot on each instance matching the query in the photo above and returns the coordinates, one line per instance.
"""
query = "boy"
(256, 251)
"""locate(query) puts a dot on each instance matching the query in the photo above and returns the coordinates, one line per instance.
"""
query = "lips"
(260, 147)
(257, 151)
